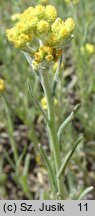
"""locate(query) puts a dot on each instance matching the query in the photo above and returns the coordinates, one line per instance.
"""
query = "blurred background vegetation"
(22, 171)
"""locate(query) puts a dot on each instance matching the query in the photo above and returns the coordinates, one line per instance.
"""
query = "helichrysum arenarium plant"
(41, 35)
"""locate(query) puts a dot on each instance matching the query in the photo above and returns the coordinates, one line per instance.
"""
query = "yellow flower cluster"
(43, 26)
(50, 13)
(41, 22)
(72, 1)
(60, 30)
(47, 53)
(55, 66)
(18, 39)
(2, 85)
(32, 21)
(89, 48)
(44, 102)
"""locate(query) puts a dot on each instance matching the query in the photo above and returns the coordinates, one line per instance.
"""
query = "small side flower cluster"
(41, 23)
(48, 53)
(55, 66)
(88, 48)
(72, 1)
(2, 85)
(44, 102)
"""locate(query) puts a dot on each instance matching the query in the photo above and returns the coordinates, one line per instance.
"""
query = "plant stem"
(53, 131)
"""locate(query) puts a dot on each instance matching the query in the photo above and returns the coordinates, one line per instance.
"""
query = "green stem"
(52, 130)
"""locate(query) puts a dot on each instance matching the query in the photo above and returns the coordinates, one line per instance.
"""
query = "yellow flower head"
(19, 40)
(47, 53)
(43, 26)
(90, 48)
(72, 1)
(49, 57)
(70, 25)
(53, 39)
(44, 102)
(40, 11)
(28, 13)
(22, 40)
(63, 33)
(2, 85)
(55, 65)
(57, 25)
(39, 55)
(60, 31)
(50, 13)
(28, 26)
(9, 34)
(43, 53)
(15, 17)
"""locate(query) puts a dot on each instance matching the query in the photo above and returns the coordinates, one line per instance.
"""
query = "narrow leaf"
(49, 167)
(26, 165)
(28, 50)
(35, 99)
(85, 192)
(68, 157)
(21, 156)
(10, 130)
(9, 160)
(28, 58)
(25, 187)
(67, 121)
